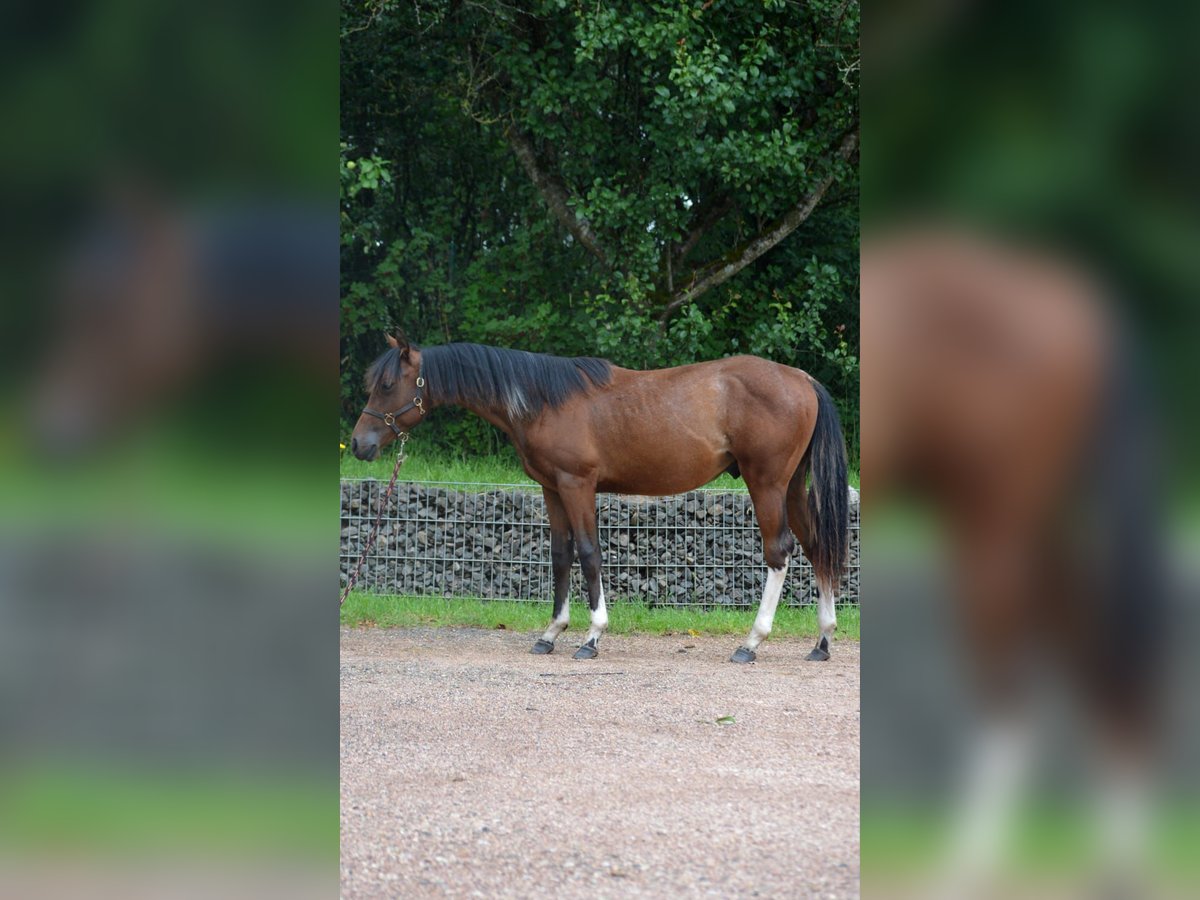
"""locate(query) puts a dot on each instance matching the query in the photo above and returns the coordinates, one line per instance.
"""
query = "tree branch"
(554, 194)
(706, 216)
(711, 276)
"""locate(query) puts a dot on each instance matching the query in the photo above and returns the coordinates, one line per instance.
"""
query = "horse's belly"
(659, 473)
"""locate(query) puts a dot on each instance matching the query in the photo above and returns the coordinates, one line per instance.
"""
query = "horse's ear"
(399, 341)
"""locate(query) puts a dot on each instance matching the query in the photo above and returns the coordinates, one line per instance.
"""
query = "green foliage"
(663, 139)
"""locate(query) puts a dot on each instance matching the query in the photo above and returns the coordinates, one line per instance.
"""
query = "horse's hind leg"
(797, 509)
(826, 619)
(769, 507)
(562, 554)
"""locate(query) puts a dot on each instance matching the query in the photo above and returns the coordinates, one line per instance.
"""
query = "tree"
(655, 183)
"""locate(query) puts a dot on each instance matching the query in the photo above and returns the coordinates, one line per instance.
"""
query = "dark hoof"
(820, 653)
(541, 648)
(587, 651)
(743, 655)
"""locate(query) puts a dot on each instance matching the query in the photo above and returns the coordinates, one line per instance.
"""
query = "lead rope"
(378, 518)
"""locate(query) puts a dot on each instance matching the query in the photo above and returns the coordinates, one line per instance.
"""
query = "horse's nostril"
(354, 445)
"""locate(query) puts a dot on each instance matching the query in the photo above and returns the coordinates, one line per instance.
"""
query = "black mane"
(385, 368)
(520, 382)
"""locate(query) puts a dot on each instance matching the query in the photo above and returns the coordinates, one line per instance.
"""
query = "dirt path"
(472, 768)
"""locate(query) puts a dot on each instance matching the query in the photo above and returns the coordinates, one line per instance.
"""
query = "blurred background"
(168, 676)
(1029, 324)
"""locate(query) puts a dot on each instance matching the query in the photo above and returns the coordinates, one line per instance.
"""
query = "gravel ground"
(472, 768)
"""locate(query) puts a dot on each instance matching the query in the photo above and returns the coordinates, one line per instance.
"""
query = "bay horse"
(583, 425)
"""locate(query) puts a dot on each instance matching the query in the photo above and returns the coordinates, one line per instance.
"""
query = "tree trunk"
(554, 194)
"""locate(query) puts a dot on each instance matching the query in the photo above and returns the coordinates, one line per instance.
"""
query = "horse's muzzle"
(365, 449)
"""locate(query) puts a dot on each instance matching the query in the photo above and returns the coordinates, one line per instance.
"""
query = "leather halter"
(389, 419)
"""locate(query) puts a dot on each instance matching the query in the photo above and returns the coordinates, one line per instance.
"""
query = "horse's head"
(397, 399)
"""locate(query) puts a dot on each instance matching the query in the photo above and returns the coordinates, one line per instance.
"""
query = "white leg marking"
(826, 612)
(996, 778)
(599, 618)
(559, 623)
(1123, 824)
(766, 609)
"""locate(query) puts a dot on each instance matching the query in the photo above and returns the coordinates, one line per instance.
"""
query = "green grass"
(107, 809)
(424, 464)
(624, 617)
(1045, 839)
(159, 485)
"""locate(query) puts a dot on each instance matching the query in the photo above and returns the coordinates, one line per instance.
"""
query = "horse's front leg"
(562, 554)
(579, 500)
(589, 562)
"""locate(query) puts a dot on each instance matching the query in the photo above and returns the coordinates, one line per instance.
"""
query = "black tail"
(828, 498)
(1133, 606)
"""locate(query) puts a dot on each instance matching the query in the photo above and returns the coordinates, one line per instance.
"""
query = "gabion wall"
(493, 541)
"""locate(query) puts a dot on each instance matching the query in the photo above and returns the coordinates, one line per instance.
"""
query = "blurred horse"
(998, 387)
(152, 299)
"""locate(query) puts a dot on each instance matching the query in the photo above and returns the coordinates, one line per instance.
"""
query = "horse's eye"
(388, 385)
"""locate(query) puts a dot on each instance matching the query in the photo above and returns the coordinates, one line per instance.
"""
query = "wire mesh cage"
(492, 541)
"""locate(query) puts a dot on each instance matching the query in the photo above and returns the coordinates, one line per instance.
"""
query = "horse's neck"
(493, 416)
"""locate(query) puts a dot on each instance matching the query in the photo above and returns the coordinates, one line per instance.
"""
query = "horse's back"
(718, 394)
(665, 431)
